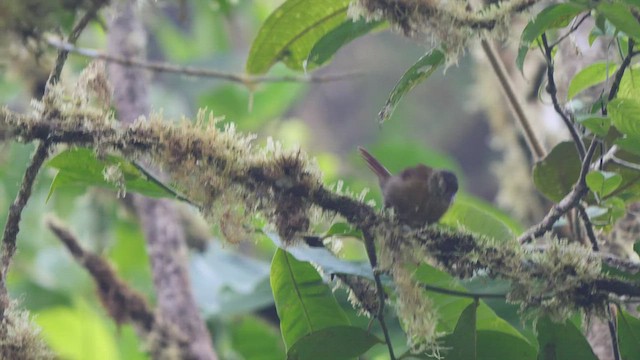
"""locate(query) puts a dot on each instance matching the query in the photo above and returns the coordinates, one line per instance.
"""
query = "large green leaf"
(417, 73)
(552, 17)
(482, 218)
(81, 168)
(337, 342)
(621, 17)
(603, 183)
(291, 31)
(463, 341)
(628, 336)
(329, 44)
(304, 303)
(589, 76)
(630, 84)
(555, 175)
(562, 341)
(625, 115)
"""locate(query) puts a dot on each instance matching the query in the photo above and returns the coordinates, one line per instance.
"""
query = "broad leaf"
(292, 30)
(603, 182)
(555, 175)
(463, 340)
(552, 17)
(590, 76)
(304, 303)
(417, 73)
(81, 168)
(482, 218)
(265, 342)
(338, 342)
(625, 115)
(562, 341)
(329, 44)
(598, 125)
(621, 17)
(628, 336)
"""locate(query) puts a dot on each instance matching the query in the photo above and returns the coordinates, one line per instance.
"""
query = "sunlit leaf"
(598, 125)
(625, 115)
(417, 73)
(291, 31)
(590, 76)
(603, 183)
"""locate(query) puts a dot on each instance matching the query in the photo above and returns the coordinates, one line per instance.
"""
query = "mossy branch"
(208, 163)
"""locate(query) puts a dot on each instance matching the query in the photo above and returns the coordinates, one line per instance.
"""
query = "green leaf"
(337, 342)
(630, 144)
(81, 168)
(463, 340)
(625, 115)
(304, 303)
(562, 341)
(598, 125)
(603, 183)
(482, 218)
(630, 84)
(292, 30)
(628, 336)
(77, 333)
(494, 345)
(265, 342)
(555, 175)
(621, 17)
(590, 76)
(329, 44)
(417, 73)
(552, 17)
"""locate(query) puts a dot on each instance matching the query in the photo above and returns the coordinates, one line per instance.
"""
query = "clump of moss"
(20, 337)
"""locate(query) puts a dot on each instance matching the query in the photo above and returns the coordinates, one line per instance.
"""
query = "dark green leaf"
(338, 342)
(494, 345)
(552, 17)
(81, 168)
(555, 175)
(482, 218)
(603, 182)
(562, 341)
(625, 115)
(329, 44)
(628, 336)
(630, 144)
(598, 125)
(291, 31)
(304, 303)
(463, 340)
(417, 73)
(621, 17)
(590, 76)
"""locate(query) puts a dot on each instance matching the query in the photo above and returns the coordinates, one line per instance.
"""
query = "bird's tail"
(375, 165)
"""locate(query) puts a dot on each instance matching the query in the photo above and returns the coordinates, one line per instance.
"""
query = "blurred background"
(440, 123)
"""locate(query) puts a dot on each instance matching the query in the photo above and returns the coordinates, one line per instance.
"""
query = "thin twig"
(617, 79)
(625, 163)
(166, 188)
(246, 80)
(588, 226)
(573, 28)
(553, 92)
(463, 293)
(503, 76)
(613, 332)
(373, 260)
(567, 203)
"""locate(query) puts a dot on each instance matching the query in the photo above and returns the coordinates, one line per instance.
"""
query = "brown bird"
(420, 195)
